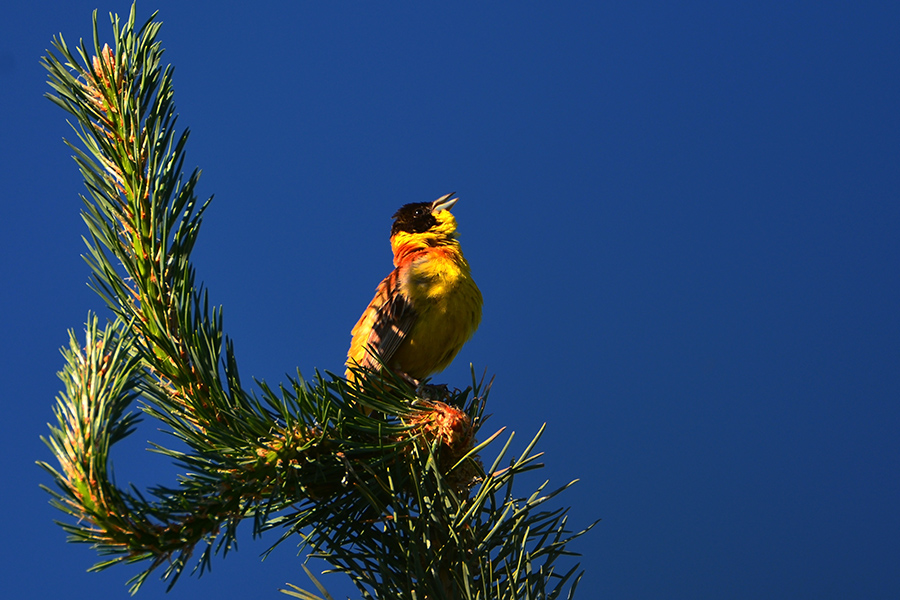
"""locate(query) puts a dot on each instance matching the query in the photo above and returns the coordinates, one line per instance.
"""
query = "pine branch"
(398, 499)
(440, 544)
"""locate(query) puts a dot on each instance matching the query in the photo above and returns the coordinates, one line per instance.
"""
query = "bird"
(427, 308)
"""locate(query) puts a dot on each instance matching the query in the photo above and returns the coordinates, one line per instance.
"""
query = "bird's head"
(426, 220)
(423, 225)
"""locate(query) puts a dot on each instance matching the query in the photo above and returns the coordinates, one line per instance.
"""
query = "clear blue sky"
(684, 221)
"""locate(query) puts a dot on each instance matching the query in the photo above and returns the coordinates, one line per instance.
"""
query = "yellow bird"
(428, 307)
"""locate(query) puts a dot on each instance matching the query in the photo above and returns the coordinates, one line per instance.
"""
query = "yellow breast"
(440, 287)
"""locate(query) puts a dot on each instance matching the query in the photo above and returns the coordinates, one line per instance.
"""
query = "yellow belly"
(448, 307)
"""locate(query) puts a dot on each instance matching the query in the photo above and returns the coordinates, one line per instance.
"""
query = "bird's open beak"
(443, 203)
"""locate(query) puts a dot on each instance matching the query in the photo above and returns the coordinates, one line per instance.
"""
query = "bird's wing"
(384, 325)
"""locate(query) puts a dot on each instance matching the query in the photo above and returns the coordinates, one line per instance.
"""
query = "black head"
(414, 218)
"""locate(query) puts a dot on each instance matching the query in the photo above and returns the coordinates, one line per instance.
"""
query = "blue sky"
(684, 220)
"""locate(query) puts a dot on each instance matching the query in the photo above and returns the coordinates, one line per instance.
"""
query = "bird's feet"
(433, 392)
